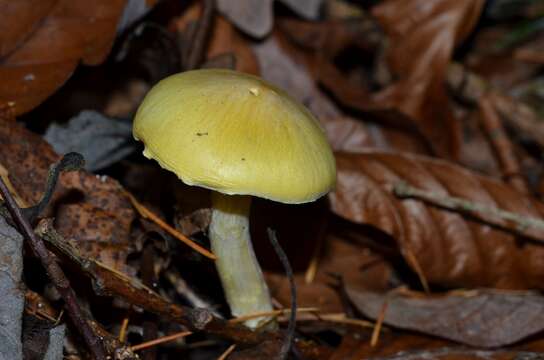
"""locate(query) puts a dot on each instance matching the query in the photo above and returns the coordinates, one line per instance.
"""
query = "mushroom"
(240, 137)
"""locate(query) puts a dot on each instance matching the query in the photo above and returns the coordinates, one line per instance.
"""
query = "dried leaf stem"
(506, 220)
(412, 260)
(56, 275)
(160, 340)
(502, 145)
(148, 214)
(378, 326)
(197, 47)
(227, 352)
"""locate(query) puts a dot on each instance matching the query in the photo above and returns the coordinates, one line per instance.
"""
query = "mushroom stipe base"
(241, 276)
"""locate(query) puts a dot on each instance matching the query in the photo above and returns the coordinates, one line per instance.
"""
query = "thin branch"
(272, 313)
(521, 224)
(123, 330)
(518, 117)
(56, 275)
(107, 281)
(161, 340)
(290, 335)
(227, 352)
(148, 214)
(333, 318)
(197, 47)
(378, 326)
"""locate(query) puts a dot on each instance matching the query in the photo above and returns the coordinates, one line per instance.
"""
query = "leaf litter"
(434, 112)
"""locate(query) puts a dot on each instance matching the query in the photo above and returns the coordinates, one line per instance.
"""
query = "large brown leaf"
(89, 210)
(481, 318)
(41, 43)
(282, 65)
(451, 249)
(423, 35)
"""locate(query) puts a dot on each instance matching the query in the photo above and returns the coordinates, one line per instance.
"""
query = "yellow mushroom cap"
(236, 134)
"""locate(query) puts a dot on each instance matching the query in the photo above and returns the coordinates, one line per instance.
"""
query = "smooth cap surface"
(236, 134)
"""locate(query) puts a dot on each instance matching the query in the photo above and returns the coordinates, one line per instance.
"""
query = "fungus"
(240, 137)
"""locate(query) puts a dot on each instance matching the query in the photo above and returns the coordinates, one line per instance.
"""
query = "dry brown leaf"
(256, 18)
(224, 39)
(451, 249)
(480, 319)
(353, 263)
(461, 353)
(354, 347)
(422, 37)
(100, 222)
(90, 210)
(292, 76)
(294, 68)
(252, 16)
(45, 42)
(320, 44)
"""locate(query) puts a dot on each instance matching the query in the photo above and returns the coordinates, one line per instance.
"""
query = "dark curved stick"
(290, 335)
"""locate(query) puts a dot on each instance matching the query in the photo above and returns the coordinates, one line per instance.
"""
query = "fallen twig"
(123, 330)
(503, 219)
(290, 335)
(161, 340)
(55, 273)
(378, 326)
(107, 281)
(38, 306)
(273, 313)
(227, 352)
(517, 116)
(333, 318)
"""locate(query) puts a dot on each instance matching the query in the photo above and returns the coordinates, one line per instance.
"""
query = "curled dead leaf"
(483, 318)
(451, 249)
(45, 42)
(428, 31)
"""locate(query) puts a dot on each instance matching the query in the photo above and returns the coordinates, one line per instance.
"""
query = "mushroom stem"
(239, 271)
